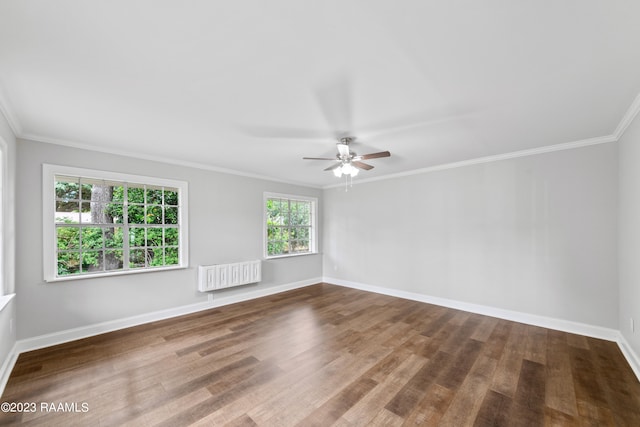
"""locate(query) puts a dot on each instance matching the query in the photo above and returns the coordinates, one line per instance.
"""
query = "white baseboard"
(219, 300)
(530, 319)
(515, 316)
(629, 354)
(7, 367)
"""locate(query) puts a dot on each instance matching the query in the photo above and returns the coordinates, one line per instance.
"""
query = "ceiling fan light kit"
(346, 169)
(348, 163)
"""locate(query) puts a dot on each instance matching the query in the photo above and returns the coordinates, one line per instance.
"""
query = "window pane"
(86, 190)
(301, 216)
(85, 212)
(272, 232)
(99, 213)
(68, 263)
(136, 214)
(114, 260)
(137, 237)
(171, 215)
(276, 212)
(68, 237)
(92, 261)
(154, 195)
(114, 211)
(171, 196)
(118, 192)
(301, 233)
(91, 238)
(171, 236)
(154, 236)
(171, 256)
(157, 257)
(154, 215)
(299, 246)
(113, 237)
(135, 194)
(277, 248)
(67, 188)
(137, 258)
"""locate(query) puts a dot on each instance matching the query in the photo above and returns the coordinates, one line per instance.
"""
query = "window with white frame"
(100, 223)
(290, 225)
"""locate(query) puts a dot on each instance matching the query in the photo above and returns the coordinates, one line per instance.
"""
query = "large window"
(99, 223)
(290, 223)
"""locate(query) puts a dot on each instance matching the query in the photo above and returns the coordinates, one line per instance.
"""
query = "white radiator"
(221, 276)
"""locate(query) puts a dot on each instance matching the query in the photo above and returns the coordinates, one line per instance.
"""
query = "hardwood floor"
(327, 355)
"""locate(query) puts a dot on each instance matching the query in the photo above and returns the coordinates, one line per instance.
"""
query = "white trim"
(4, 300)
(48, 227)
(600, 332)
(489, 159)
(7, 367)
(4, 185)
(628, 117)
(629, 354)
(160, 159)
(515, 316)
(7, 112)
(214, 301)
(624, 123)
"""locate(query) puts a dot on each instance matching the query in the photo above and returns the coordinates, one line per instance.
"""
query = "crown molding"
(624, 123)
(628, 117)
(488, 159)
(7, 112)
(619, 131)
(160, 159)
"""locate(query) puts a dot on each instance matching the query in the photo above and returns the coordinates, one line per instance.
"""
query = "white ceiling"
(253, 86)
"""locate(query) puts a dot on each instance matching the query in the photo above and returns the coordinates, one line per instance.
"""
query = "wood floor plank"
(330, 411)
(329, 355)
(494, 411)
(468, 399)
(506, 377)
(430, 410)
(405, 400)
(389, 383)
(560, 394)
(528, 402)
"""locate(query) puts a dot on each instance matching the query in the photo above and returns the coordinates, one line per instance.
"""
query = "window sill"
(4, 300)
(290, 255)
(113, 274)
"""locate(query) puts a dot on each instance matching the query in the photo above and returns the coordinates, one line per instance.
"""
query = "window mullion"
(125, 227)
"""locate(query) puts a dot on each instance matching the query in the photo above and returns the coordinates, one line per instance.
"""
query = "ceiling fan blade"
(319, 158)
(374, 155)
(361, 165)
(337, 165)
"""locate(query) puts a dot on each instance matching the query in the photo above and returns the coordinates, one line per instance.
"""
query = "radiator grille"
(222, 276)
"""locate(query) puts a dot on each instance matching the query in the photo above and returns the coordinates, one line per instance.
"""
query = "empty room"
(337, 213)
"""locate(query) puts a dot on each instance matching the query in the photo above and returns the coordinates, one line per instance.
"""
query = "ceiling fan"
(348, 162)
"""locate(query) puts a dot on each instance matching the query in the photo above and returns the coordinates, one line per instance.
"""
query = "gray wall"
(629, 153)
(7, 335)
(534, 234)
(225, 222)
